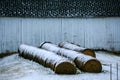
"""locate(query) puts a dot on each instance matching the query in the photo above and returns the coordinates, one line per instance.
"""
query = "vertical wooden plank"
(90, 32)
(113, 36)
(72, 30)
(95, 33)
(10, 34)
(1, 34)
(52, 30)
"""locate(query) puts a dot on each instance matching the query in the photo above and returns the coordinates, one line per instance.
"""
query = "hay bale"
(57, 63)
(49, 46)
(83, 62)
(77, 48)
(89, 65)
(64, 67)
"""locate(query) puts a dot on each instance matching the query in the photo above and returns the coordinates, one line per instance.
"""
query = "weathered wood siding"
(95, 33)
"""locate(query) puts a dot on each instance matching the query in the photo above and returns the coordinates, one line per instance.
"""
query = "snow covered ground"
(16, 68)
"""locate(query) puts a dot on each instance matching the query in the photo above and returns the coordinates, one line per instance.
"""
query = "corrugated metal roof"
(59, 8)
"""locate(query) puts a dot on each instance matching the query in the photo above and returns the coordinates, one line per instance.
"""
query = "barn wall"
(95, 33)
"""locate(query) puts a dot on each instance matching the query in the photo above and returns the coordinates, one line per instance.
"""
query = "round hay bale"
(71, 46)
(60, 65)
(92, 65)
(65, 68)
(89, 52)
(49, 46)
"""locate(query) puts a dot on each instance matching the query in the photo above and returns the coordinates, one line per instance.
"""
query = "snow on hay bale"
(77, 48)
(58, 64)
(83, 62)
(50, 47)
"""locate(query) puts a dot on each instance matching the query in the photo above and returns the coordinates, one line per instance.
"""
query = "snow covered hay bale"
(77, 48)
(88, 64)
(82, 61)
(58, 64)
(50, 47)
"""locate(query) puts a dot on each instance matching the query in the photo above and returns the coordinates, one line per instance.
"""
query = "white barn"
(90, 23)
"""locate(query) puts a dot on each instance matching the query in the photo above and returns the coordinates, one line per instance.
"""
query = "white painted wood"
(96, 33)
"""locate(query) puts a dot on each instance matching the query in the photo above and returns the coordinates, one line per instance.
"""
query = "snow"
(16, 68)
(50, 46)
(68, 53)
(69, 46)
(84, 58)
(60, 51)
